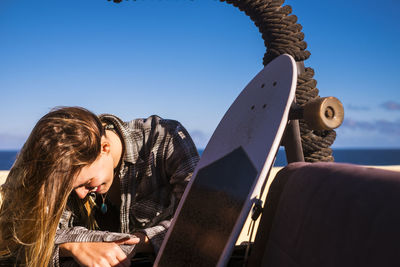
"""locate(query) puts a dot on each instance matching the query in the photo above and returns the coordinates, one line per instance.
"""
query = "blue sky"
(188, 60)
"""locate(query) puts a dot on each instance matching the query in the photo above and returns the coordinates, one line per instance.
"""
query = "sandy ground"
(3, 176)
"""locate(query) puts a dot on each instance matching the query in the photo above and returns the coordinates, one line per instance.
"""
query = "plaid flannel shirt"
(158, 162)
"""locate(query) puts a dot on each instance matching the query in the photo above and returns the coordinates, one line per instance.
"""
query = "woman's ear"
(105, 145)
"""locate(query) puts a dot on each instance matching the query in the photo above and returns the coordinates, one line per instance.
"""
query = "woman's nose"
(82, 192)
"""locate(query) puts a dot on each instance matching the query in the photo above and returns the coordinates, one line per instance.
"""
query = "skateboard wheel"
(325, 113)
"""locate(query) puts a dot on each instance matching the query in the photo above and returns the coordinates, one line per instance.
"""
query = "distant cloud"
(382, 126)
(391, 105)
(354, 107)
(200, 138)
(353, 124)
(392, 128)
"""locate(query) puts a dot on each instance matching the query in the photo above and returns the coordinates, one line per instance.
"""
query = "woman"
(49, 201)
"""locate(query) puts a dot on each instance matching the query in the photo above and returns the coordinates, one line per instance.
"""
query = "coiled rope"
(282, 34)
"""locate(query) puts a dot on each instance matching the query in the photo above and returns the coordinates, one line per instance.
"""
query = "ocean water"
(378, 157)
(7, 159)
(356, 156)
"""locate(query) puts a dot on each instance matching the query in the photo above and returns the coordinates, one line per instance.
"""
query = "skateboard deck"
(231, 171)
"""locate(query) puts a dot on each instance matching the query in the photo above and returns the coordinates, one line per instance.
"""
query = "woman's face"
(96, 177)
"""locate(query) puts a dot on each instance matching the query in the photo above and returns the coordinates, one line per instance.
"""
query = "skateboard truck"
(325, 113)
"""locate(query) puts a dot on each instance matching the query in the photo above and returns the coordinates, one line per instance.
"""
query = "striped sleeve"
(181, 160)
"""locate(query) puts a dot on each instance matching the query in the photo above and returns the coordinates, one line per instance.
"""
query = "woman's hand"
(144, 245)
(101, 254)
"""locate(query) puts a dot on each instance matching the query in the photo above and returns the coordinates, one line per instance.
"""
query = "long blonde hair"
(40, 181)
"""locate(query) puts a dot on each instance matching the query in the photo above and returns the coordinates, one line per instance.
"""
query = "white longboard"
(231, 171)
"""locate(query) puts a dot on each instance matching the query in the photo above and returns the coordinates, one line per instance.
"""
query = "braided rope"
(282, 35)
